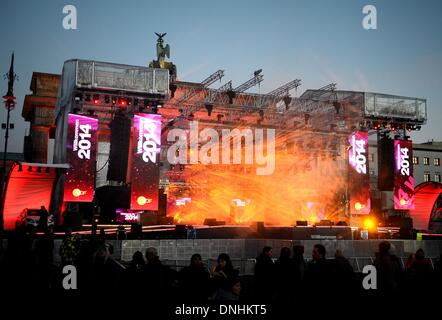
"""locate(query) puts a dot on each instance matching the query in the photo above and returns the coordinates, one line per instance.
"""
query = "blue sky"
(316, 41)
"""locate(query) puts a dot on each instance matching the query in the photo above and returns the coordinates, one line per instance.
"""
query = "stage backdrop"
(403, 175)
(81, 148)
(145, 172)
(358, 173)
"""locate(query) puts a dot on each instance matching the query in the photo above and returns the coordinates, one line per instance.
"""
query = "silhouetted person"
(157, 278)
(223, 272)
(231, 292)
(134, 272)
(84, 264)
(299, 263)
(389, 269)
(318, 274)
(419, 273)
(286, 276)
(343, 273)
(44, 250)
(194, 280)
(106, 272)
(265, 274)
(43, 221)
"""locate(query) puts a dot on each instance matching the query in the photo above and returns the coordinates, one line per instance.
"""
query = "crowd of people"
(25, 263)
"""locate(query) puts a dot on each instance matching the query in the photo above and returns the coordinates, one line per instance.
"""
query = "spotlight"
(337, 106)
(370, 223)
(172, 88)
(209, 108)
(114, 100)
(129, 101)
(287, 100)
(231, 94)
(96, 99)
(122, 102)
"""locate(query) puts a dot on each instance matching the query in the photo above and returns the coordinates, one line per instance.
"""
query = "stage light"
(231, 94)
(209, 108)
(20, 168)
(129, 101)
(359, 206)
(96, 99)
(30, 169)
(114, 100)
(76, 192)
(403, 202)
(337, 106)
(122, 102)
(106, 99)
(287, 100)
(39, 169)
(369, 223)
(78, 97)
(141, 200)
(87, 98)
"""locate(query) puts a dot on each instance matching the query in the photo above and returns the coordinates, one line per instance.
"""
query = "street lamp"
(9, 105)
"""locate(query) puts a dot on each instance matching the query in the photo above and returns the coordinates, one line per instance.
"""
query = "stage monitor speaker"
(324, 223)
(136, 231)
(162, 205)
(386, 164)
(181, 231)
(119, 147)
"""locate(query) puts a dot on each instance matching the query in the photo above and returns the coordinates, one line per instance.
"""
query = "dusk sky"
(317, 41)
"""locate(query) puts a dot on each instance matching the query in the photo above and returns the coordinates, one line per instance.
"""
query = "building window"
(415, 160)
(437, 161)
(426, 177)
(437, 177)
(426, 161)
